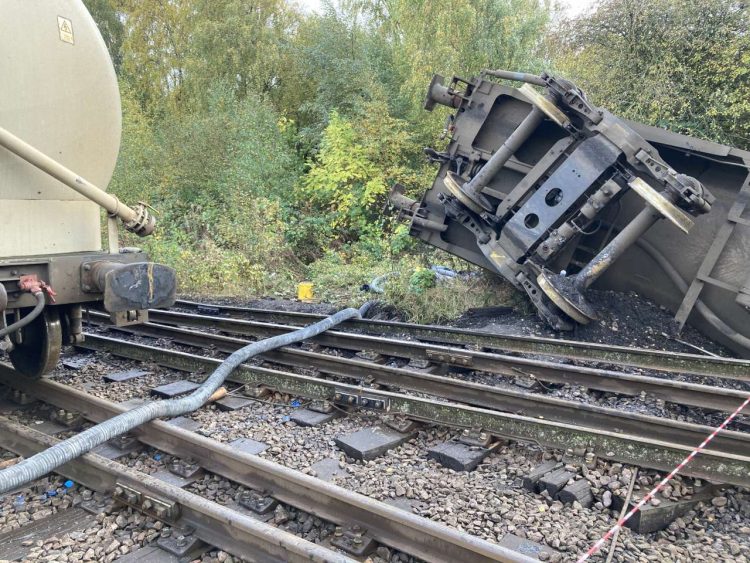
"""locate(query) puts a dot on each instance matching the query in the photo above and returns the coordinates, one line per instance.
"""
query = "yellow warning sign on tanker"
(65, 27)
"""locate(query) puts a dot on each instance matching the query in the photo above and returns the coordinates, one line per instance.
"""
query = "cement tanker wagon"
(60, 126)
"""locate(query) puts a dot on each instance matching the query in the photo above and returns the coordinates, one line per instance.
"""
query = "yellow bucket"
(305, 291)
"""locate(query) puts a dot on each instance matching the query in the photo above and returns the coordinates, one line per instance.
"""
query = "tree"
(155, 49)
(460, 37)
(326, 67)
(348, 181)
(681, 64)
(239, 43)
(110, 25)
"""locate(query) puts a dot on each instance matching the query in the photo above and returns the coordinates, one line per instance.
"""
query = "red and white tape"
(598, 545)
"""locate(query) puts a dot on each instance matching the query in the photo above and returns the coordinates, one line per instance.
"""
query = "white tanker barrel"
(59, 95)
(137, 220)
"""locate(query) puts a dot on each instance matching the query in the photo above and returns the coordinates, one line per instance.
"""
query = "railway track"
(657, 360)
(231, 527)
(644, 440)
(355, 372)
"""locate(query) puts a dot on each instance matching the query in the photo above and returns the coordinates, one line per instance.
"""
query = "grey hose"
(46, 461)
(376, 285)
(35, 312)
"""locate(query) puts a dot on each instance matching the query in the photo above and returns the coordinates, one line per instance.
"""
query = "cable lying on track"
(48, 460)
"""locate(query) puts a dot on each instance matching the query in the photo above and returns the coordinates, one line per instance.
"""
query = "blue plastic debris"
(68, 484)
(285, 418)
(157, 457)
(296, 403)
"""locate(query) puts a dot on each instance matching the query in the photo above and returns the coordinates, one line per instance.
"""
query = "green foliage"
(423, 299)
(327, 68)
(459, 38)
(681, 64)
(348, 181)
(237, 43)
(216, 179)
(110, 26)
(267, 139)
(421, 280)
(155, 50)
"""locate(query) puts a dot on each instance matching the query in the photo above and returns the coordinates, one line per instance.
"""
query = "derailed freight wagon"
(555, 194)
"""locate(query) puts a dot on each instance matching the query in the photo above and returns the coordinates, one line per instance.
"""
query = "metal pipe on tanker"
(137, 220)
(517, 76)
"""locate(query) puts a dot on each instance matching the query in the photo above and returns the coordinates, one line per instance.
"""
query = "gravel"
(488, 502)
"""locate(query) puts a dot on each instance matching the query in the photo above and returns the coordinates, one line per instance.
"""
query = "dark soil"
(625, 319)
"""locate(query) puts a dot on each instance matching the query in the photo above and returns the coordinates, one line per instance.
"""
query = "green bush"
(217, 180)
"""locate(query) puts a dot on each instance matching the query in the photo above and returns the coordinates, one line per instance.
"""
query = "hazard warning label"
(65, 27)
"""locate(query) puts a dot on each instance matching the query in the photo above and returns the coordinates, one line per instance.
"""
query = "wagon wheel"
(40, 343)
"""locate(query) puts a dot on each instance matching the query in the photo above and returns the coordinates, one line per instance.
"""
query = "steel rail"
(671, 362)
(678, 392)
(505, 365)
(217, 525)
(722, 466)
(389, 525)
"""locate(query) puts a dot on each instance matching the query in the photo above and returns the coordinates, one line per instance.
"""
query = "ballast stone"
(529, 548)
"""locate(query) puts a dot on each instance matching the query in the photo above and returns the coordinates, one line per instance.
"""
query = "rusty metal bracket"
(401, 423)
(160, 509)
(353, 540)
(324, 407)
(449, 357)
(123, 442)
(475, 437)
(185, 468)
(97, 503)
(260, 502)
(371, 402)
(21, 398)
(68, 419)
(185, 546)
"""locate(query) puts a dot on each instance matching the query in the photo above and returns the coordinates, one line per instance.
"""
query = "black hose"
(67, 450)
(35, 312)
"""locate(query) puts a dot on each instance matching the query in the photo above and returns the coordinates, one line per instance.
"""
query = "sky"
(572, 7)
